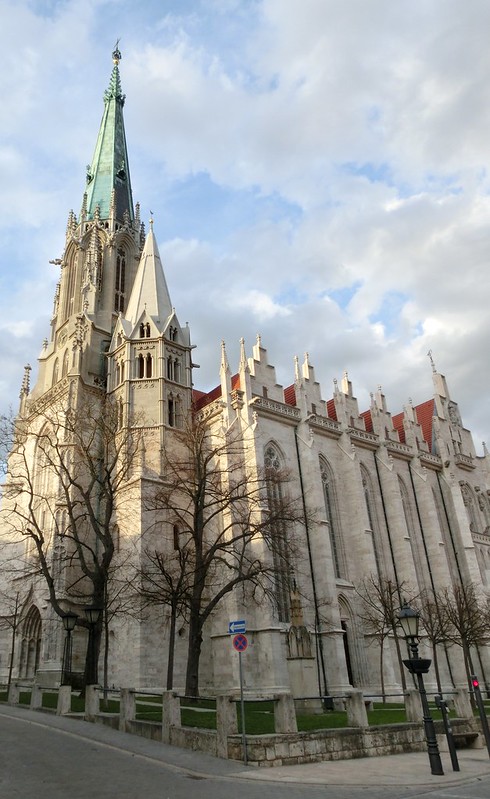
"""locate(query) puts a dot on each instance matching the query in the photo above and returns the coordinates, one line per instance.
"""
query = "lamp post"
(409, 622)
(92, 613)
(69, 623)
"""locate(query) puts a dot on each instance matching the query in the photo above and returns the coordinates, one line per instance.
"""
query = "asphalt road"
(47, 757)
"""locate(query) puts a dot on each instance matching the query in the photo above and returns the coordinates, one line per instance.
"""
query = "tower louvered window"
(119, 294)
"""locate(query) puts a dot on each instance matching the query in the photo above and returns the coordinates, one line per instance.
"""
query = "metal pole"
(481, 711)
(242, 705)
(442, 705)
(430, 731)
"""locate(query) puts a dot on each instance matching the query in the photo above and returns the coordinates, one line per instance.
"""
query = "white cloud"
(345, 148)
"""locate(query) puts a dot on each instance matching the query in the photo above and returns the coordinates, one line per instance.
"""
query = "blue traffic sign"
(237, 627)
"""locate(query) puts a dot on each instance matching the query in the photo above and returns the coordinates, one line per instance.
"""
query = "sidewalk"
(411, 769)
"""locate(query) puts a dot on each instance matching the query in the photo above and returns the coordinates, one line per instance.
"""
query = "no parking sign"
(240, 642)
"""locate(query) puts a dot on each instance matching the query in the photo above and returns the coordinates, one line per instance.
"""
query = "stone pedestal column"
(356, 710)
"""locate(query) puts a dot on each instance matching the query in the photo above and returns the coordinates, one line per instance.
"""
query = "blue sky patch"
(390, 311)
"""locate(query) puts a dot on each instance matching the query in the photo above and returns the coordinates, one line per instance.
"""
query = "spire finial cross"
(432, 361)
(116, 53)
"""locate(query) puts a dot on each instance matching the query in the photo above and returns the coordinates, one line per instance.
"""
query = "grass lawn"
(259, 716)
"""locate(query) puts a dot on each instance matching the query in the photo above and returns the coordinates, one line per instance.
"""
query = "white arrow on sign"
(237, 627)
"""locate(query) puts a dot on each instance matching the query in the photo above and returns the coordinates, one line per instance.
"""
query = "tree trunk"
(400, 663)
(92, 656)
(171, 647)
(193, 655)
(106, 656)
(381, 668)
(436, 667)
(14, 633)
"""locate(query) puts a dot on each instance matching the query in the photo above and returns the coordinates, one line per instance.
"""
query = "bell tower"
(150, 358)
(100, 258)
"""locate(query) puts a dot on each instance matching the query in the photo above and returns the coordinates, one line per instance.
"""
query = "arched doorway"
(31, 644)
(350, 641)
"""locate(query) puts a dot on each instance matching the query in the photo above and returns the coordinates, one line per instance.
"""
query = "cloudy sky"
(317, 171)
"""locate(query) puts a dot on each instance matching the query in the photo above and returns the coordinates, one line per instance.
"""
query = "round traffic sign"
(240, 642)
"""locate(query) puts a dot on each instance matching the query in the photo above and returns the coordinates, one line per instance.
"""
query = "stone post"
(36, 697)
(170, 714)
(64, 700)
(356, 710)
(462, 704)
(413, 705)
(91, 702)
(284, 714)
(226, 723)
(14, 694)
(127, 708)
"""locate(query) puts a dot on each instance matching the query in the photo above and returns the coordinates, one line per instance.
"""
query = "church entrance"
(30, 649)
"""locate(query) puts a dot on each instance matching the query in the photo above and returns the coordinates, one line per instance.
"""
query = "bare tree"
(10, 614)
(231, 525)
(437, 626)
(164, 579)
(6, 439)
(380, 605)
(66, 477)
(467, 617)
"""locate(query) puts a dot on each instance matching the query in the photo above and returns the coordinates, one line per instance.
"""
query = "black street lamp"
(92, 613)
(409, 622)
(69, 623)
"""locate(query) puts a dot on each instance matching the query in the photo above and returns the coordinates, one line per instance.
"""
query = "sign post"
(240, 643)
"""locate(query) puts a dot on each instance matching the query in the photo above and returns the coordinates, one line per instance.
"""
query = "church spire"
(108, 174)
(150, 292)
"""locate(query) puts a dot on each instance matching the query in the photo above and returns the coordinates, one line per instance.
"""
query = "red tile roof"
(331, 410)
(424, 413)
(368, 421)
(201, 398)
(398, 426)
(290, 395)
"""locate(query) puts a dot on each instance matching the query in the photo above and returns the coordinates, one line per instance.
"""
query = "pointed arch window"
(372, 518)
(56, 371)
(70, 288)
(120, 283)
(171, 412)
(411, 529)
(279, 543)
(144, 366)
(485, 509)
(176, 536)
(64, 370)
(471, 508)
(141, 366)
(332, 517)
(174, 411)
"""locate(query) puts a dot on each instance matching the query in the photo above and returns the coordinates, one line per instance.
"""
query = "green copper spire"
(109, 169)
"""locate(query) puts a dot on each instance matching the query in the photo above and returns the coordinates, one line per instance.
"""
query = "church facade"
(399, 499)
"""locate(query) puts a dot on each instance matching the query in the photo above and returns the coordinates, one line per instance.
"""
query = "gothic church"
(402, 497)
